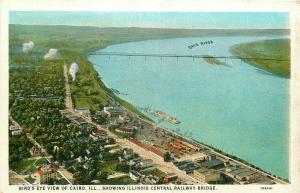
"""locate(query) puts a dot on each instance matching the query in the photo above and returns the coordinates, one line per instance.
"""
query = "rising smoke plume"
(51, 53)
(27, 46)
(73, 70)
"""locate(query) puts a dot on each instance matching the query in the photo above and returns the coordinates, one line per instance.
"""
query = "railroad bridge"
(179, 56)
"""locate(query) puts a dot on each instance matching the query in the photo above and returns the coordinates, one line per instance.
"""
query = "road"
(277, 180)
(166, 167)
(67, 175)
(69, 103)
(16, 179)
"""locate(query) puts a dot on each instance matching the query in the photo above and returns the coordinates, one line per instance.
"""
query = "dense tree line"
(45, 80)
(19, 146)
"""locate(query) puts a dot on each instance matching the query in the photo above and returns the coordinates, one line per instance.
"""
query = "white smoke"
(73, 70)
(27, 46)
(51, 53)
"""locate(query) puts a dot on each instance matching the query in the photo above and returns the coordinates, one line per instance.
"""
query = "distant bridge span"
(178, 56)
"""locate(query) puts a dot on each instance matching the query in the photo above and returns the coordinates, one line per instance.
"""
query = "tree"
(59, 156)
(167, 157)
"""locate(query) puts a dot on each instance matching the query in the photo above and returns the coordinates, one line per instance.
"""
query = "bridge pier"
(177, 56)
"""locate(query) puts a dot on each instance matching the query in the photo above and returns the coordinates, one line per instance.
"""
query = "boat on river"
(162, 115)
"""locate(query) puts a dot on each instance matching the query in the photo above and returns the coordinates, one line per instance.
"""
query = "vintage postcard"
(149, 100)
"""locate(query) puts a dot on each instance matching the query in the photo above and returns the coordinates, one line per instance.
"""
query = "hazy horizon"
(165, 20)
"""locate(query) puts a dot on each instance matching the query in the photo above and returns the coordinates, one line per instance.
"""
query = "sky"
(187, 20)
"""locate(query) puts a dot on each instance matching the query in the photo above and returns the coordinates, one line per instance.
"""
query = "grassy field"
(41, 162)
(23, 166)
(74, 43)
(278, 49)
(109, 167)
(156, 172)
(120, 181)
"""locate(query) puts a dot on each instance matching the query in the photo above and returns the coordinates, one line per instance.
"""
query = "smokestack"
(73, 70)
(51, 53)
(27, 46)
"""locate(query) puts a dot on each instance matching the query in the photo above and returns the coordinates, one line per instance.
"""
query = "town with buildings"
(67, 128)
(123, 148)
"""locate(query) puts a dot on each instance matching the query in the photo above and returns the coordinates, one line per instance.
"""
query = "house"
(87, 152)
(209, 155)
(112, 111)
(170, 177)
(131, 163)
(55, 148)
(13, 128)
(125, 130)
(242, 174)
(84, 112)
(146, 163)
(127, 152)
(150, 180)
(111, 146)
(95, 181)
(86, 166)
(121, 159)
(215, 163)
(99, 135)
(124, 119)
(45, 174)
(100, 113)
(16, 132)
(205, 175)
(79, 159)
(115, 150)
(137, 158)
(135, 176)
(100, 155)
(86, 158)
(79, 121)
(35, 151)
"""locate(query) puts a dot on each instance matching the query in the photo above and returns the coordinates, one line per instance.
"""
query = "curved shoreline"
(276, 48)
(194, 141)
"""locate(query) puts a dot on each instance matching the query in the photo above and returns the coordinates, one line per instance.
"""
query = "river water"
(238, 108)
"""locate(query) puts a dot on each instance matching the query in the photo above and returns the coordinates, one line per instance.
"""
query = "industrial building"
(205, 175)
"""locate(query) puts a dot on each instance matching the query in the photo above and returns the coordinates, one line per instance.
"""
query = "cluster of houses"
(15, 130)
(208, 169)
(35, 151)
(75, 118)
(46, 173)
(142, 170)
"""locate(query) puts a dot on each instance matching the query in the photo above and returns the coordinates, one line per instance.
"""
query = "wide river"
(239, 109)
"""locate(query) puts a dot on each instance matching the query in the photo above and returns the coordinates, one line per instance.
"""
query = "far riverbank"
(278, 50)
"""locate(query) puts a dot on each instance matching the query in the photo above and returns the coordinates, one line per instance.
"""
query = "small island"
(212, 60)
(270, 55)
